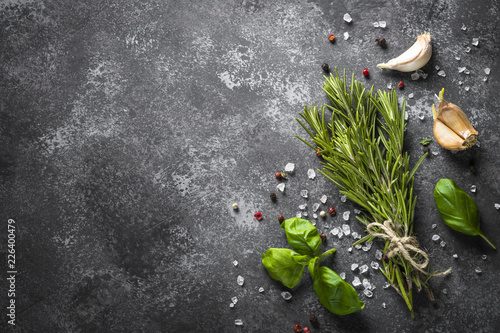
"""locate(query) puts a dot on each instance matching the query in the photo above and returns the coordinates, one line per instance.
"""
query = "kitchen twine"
(402, 245)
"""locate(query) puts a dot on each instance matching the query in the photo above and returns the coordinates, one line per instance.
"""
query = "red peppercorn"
(401, 85)
(297, 328)
(332, 211)
(331, 38)
(307, 330)
(318, 151)
(278, 174)
(366, 72)
(258, 216)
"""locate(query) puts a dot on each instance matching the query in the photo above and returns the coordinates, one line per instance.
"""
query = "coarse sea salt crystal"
(290, 167)
(363, 269)
(386, 285)
(384, 305)
(376, 24)
(455, 256)
(298, 215)
(311, 174)
(261, 289)
(375, 265)
(342, 275)
(382, 24)
(235, 263)
(443, 243)
(368, 293)
(434, 226)
(335, 231)
(346, 35)
(343, 198)
(487, 71)
(303, 193)
(457, 58)
(442, 73)
(435, 238)
(461, 69)
(464, 27)
(286, 295)
(231, 305)
(410, 95)
(315, 206)
(473, 188)
(304, 214)
(323, 199)
(367, 247)
(347, 18)
(345, 216)
(341, 234)
(240, 280)
(367, 284)
(484, 257)
(378, 255)
(346, 229)
(238, 322)
(467, 49)
(478, 270)
(497, 206)
(315, 216)
(281, 187)
(475, 41)
(467, 88)
(437, 67)
(466, 71)
(354, 267)
(415, 76)
(234, 300)
(303, 207)
(421, 115)
(357, 211)
(356, 282)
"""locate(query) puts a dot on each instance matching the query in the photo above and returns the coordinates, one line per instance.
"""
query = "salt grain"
(442, 73)
(303, 193)
(281, 187)
(290, 167)
(356, 282)
(240, 280)
(475, 41)
(346, 229)
(311, 174)
(286, 295)
(415, 76)
(473, 188)
(435, 238)
(323, 199)
(315, 206)
(487, 71)
(347, 18)
(464, 27)
(382, 24)
(346, 35)
(345, 216)
(238, 322)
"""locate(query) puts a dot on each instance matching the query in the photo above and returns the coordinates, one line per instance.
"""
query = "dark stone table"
(129, 128)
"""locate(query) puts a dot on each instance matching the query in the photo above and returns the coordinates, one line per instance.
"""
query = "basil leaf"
(334, 293)
(285, 265)
(457, 209)
(425, 142)
(302, 236)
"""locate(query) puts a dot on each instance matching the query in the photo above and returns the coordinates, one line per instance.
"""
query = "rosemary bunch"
(363, 155)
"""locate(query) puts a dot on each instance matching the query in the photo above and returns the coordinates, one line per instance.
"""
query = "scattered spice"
(325, 67)
(281, 218)
(273, 196)
(318, 152)
(323, 237)
(278, 174)
(381, 42)
(235, 206)
(322, 213)
(331, 38)
(425, 142)
(297, 328)
(258, 216)
(314, 321)
(307, 330)
(332, 211)
(427, 149)
(401, 85)
(366, 73)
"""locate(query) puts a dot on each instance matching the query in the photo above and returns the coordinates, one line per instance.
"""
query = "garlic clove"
(414, 58)
(447, 138)
(452, 128)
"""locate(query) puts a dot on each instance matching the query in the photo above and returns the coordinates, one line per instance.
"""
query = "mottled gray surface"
(128, 129)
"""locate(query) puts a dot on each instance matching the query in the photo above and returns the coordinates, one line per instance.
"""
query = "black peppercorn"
(325, 67)
(427, 149)
(323, 237)
(281, 218)
(381, 42)
(273, 196)
(314, 321)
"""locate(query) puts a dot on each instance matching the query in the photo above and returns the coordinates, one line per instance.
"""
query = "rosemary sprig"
(363, 155)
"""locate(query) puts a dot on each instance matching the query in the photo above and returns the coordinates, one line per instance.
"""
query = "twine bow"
(403, 245)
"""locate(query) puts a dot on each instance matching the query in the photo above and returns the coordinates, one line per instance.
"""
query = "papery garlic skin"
(452, 128)
(414, 58)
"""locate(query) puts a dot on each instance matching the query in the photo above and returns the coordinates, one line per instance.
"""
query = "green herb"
(287, 266)
(363, 155)
(457, 209)
(425, 142)
(302, 236)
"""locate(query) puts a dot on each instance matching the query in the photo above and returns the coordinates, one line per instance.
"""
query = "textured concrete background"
(128, 129)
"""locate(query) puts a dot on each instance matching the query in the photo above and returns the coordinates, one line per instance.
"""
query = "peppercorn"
(307, 330)
(427, 149)
(332, 211)
(322, 213)
(281, 218)
(401, 85)
(297, 328)
(258, 216)
(235, 206)
(331, 38)
(323, 237)
(314, 321)
(318, 152)
(366, 73)
(381, 42)
(273, 196)
(278, 174)
(325, 67)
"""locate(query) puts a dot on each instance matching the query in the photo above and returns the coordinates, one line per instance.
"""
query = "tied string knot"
(405, 245)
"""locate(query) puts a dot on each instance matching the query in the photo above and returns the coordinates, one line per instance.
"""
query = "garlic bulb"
(414, 58)
(452, 128)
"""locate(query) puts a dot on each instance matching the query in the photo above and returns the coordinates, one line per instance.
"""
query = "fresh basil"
(302, 236)
(285, 265)
(457, 209)
(334, 293)
(425, 141)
